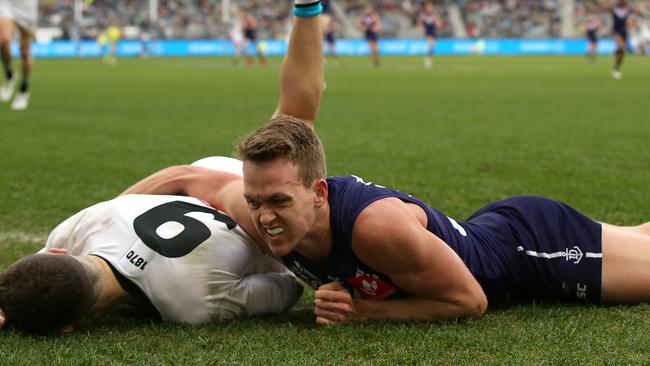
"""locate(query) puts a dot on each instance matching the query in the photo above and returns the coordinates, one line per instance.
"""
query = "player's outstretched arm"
(186, 180)
(301, 74)
(417, 261)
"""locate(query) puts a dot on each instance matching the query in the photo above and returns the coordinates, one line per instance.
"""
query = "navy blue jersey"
(519, 248)
(250, 34)
(620, 15)
(369, 22)
(329, 35)
(591, 36)
(326, 6)
(429, 25)
(593, 25)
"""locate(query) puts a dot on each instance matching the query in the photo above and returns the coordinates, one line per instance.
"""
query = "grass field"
(469, 131)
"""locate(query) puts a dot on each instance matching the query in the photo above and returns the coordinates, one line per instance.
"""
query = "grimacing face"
(282, 208)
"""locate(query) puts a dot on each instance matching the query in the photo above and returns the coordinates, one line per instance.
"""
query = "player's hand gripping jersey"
(184, 260)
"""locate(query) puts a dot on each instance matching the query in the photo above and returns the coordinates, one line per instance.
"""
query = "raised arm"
(301, 74)
(421, 264)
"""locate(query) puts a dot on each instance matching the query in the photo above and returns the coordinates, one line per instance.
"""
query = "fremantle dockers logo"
(570, 254)
(574, 254)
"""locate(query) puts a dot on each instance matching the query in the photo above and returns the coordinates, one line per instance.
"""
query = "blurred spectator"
(203, 18)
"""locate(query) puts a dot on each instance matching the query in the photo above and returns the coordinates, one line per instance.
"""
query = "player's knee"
(478, 308)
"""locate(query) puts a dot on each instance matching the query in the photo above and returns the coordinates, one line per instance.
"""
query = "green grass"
(471, 130)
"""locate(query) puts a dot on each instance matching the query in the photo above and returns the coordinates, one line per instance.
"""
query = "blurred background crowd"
(192, 19)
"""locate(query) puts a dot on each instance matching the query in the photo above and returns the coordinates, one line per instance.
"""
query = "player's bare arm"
(187, 180)
(377, 26)
(301, 74)
(221, 190)
(389, 236)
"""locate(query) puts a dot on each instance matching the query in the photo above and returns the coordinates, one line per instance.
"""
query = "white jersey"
(222, 164)
(23, 12)
(180, 257)
(236, 30)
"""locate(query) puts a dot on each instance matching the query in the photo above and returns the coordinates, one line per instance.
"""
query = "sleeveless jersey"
(184, 260)
(326, 6)
(593, 25)
(429, 24)
(518, 248)
(368, 22)
(620, 15)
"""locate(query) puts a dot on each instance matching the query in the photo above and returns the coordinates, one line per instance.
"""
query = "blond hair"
(286, 137)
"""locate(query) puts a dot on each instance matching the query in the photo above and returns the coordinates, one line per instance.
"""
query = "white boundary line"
(22, 237)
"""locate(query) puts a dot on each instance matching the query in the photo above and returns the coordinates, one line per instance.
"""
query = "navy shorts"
(591, 36)
(250, 34)
(430, 32)
(621, 32)
(329, 37)
(537, 248)
(371, 36)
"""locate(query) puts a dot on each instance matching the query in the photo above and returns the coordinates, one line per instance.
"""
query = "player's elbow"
(176, 178)
(474, 305)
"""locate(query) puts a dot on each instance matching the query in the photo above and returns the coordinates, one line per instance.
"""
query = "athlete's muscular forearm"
(334, 305)
(301, 74)
(415, 309)
(187, 180)
(167, 181)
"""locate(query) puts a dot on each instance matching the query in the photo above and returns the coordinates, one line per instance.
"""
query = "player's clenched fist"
(334, 304)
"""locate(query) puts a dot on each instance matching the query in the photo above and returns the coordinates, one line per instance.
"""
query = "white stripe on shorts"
(532, 253)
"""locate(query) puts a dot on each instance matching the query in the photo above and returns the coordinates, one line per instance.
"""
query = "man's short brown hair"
(43, 291)
(287, 137)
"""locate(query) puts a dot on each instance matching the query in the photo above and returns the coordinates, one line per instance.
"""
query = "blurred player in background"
(146, 30)
(107, 40)
(591, 32)
(430, 22)
(639, 35)
(250, 37)
(20, 15)
(237, 36)
(370, 23)
(620, 15)
(329, 27)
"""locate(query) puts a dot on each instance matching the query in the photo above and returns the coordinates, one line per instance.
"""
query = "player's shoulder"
(386, 234)
(221, 163)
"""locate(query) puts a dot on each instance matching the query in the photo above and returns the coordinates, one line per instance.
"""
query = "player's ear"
(3, 320)
(320, 192)
(68, 328)
(58, 251)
